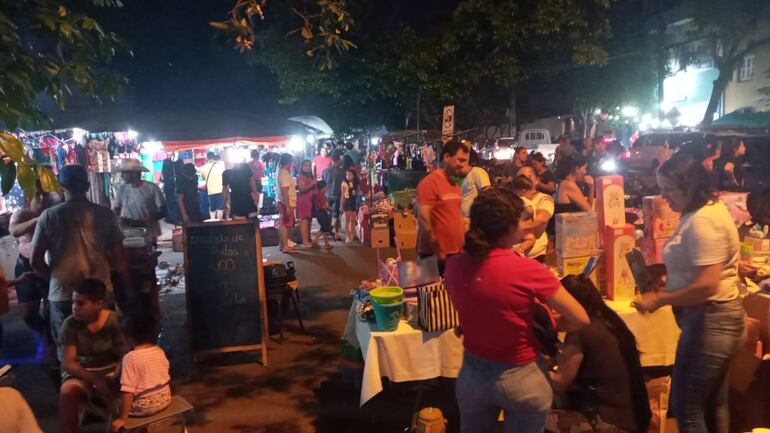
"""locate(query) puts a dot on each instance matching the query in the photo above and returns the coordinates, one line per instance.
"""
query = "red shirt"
(494, 299)
(257, 169)
(321, 163)
(446, 218)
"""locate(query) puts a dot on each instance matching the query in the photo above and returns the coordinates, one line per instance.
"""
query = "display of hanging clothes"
(61, 155)
(98, 156)
(82, 155)
(99, 192)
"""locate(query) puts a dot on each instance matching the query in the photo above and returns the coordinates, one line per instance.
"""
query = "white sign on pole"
(448, 126)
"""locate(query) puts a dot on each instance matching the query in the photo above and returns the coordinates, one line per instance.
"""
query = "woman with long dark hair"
(701, 261)
(495, 291)
(599, 366)
(569, 196)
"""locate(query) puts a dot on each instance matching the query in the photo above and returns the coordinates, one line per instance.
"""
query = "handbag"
(435, 309)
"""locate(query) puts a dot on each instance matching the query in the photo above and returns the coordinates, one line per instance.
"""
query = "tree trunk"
(512, 117)
(717, 91)
(419, 94)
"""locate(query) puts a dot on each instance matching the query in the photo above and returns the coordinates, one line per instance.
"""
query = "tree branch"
(751, 47)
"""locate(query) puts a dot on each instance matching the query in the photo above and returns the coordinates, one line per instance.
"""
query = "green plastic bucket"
(387, 316)
(387, 295)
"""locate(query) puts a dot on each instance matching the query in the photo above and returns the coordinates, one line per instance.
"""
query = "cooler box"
(659, 220)
(577, 234)
(619, 241)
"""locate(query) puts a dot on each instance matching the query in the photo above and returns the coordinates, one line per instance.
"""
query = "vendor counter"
(410, 354)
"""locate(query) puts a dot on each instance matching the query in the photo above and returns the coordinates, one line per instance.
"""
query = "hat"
(131, 164)
(73, 177)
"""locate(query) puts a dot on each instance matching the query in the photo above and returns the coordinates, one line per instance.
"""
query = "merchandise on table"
(577, 234)
(576, 265)
(759, 246)
(620, 281)
(403, 199)
(610, 201)
(436, 312)
(659, 220)
(652, 249)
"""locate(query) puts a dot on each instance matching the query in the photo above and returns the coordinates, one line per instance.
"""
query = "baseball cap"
(73, 177)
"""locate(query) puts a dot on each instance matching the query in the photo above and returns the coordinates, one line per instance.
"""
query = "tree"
(733, 27)
(48, 49)
(469, 52)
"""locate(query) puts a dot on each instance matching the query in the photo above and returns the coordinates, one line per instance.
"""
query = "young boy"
(321, 213)
(144, 379)
(93, 345)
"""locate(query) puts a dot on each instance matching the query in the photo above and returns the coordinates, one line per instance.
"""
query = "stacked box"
(405, 227)
(576, 234)
(619, 241)
(380, 237)
(659, 220)
(610, 201)
(652, 249)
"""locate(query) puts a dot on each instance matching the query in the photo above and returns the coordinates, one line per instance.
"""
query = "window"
(746, 72)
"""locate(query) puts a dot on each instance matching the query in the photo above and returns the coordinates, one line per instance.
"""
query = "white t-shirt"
(540, 202)
(212, 174)
(145, 371)
(140, 203)
(705, 237)
(286, 181)
(473, 183)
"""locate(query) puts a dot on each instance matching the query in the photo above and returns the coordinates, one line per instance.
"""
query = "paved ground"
(301, 390)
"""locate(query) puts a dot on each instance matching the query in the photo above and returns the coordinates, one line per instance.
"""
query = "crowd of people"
(488, 238)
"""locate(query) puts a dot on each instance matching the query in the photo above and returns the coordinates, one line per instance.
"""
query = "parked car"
(534, 140)
(651, 149)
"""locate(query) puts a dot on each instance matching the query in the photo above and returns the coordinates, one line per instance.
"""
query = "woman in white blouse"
(702, 285)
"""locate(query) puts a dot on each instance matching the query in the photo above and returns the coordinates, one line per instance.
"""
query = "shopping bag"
(435, 309)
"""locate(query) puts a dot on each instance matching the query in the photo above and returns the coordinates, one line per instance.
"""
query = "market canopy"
(742, 119)
(181, 145)
(314, 122)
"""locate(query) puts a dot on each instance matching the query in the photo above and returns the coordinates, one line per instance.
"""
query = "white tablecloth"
(409, 353)
(656, 333)
(403, 355)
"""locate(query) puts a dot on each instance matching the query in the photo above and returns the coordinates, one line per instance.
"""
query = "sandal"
(289, 251)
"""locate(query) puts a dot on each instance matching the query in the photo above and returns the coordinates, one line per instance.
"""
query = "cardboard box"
(757, 306)
(380, 238)
(652, 250)
(618, 241)
(577, 234)
(404, 222)
(406, 240)
(736, 204)
(610, 201)
(575, 266)
(760, 246)
(659, 220)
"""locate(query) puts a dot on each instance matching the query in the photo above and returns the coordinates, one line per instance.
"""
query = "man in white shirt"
(542, 212)
(212, 173)
(286, 198)
(476, 179)
(139, 203)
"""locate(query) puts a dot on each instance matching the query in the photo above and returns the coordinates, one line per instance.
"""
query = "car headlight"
(609, 165)
(506, 153)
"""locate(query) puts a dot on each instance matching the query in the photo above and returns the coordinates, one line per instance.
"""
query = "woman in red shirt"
(494, 290)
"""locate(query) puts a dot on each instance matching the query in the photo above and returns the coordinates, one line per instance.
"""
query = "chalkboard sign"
(225, 288)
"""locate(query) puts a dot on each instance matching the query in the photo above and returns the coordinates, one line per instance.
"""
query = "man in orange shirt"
(439, 197)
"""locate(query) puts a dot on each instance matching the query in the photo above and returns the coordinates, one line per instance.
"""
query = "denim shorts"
(60, 310)
(216, 202)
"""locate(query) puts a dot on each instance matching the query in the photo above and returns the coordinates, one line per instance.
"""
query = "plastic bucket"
(387, 316)
(387, 295)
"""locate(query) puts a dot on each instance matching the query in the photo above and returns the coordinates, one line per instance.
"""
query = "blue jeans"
(60, 310)
(711, 334)
(484, 387)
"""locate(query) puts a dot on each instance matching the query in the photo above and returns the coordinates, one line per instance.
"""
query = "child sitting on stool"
(144, 382)
(92, 344)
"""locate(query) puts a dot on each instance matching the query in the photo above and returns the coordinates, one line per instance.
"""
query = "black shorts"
(32, 289)
(324, 220)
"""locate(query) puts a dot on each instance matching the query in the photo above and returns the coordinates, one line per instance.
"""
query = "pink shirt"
(494, 299)
(446, 218)
(25, 241)
(321, 163)
(145, 370)
(257, 169)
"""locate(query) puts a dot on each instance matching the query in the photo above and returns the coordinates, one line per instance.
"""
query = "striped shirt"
(145, 371)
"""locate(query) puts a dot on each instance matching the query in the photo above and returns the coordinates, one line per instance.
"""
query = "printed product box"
(652, 249)
(736, 204)
(577, 234)
(659, 220)
(619, 241)
(610, 201)
(575, 266)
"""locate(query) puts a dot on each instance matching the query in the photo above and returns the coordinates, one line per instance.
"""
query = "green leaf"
(26, 178)
(8, 174)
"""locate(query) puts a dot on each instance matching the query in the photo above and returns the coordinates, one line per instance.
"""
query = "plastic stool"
(177, 408)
